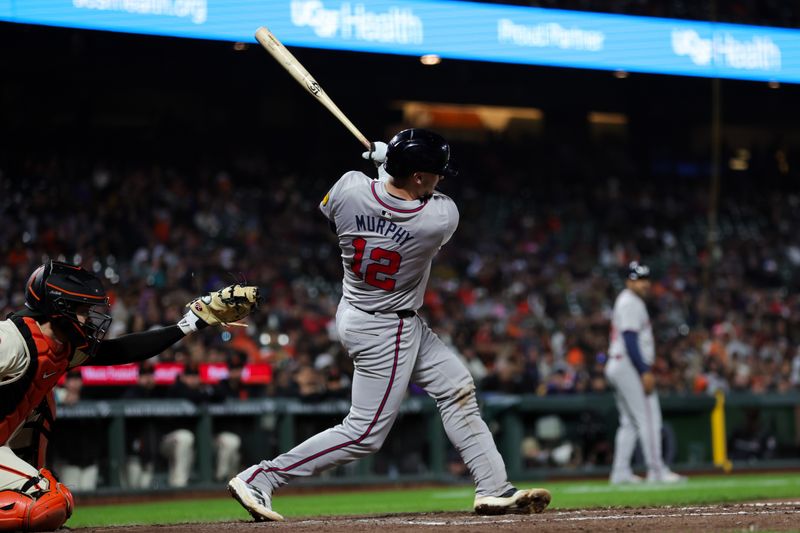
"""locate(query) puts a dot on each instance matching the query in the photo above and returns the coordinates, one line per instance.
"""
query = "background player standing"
(631, 357)
(389, 230)
(61, 327)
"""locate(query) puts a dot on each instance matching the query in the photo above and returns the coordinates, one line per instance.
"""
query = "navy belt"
(405, 313)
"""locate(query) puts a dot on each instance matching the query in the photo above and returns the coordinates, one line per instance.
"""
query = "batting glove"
(224, 307)
(376, 153)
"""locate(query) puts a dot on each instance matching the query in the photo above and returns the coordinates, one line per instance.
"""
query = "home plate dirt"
(771, 516)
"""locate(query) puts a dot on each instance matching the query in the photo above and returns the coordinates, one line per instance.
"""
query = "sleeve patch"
(325, 200)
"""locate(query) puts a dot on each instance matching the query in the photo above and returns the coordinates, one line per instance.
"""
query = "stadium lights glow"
(430, 59)
(741, 161)
(465, 116)
(600, 117)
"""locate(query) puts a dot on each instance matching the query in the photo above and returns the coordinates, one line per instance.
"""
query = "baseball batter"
(61, 327)
(389, 230)
(631, 357)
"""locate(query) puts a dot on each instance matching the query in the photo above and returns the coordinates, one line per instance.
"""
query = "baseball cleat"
(513, 501)
(631, 479)
(257, 503)
(667, 477)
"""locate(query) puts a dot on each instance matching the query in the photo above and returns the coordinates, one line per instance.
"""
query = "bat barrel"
(277, 50)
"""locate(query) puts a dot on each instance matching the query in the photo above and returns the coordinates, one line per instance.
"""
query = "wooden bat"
(298, 72)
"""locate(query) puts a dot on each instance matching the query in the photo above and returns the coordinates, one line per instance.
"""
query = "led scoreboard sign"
(450, 29)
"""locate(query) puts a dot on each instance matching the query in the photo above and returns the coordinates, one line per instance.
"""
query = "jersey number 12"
(385, 263)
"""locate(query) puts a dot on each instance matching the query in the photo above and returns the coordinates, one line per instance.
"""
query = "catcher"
(61, 327)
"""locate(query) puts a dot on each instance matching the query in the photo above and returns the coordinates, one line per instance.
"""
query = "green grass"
(566, 495)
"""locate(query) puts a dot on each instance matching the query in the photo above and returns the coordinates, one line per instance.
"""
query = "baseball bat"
(299, 73)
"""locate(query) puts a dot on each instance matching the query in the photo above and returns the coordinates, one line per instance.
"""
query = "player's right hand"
(648, 382)
(376, 153)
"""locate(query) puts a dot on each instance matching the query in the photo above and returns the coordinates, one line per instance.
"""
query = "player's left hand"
(226, 306)
(376, 153)
(648, 382)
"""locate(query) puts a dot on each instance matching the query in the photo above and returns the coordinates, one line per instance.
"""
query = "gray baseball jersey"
(630, 314)
(387, 243)
(387, 247)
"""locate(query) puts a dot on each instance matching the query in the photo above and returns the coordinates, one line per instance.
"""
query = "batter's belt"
(405, 313)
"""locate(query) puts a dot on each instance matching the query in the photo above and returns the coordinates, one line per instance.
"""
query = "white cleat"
(666, 477)
(631, 479)
(513, 501)
(258, 504)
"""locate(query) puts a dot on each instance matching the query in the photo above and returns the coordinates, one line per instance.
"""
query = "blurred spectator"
(336, 382)
(77, 466)
(232, 387)
(509, 377)
(752, 441)
(594, 445)
(143, 433)
(178, 446)
(151, 440)
(311, 385)
(560, 381)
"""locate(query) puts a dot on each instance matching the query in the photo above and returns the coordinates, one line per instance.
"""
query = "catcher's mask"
(59, 292)
(418, 150)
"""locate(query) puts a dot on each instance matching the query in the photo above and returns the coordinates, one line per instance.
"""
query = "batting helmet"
(637, 270)
(418, 150)
(57, 290)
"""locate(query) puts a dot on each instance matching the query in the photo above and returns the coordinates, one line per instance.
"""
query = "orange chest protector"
(49, 361)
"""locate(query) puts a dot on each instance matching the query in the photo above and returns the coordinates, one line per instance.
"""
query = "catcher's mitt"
(226, 306)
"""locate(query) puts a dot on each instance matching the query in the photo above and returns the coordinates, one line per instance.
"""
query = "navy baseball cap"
(636, 270)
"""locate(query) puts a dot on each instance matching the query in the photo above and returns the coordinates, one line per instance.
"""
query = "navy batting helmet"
(418, 150)
(57, 290)
(637, 270)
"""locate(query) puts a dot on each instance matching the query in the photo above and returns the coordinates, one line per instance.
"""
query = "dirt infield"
(772, 516)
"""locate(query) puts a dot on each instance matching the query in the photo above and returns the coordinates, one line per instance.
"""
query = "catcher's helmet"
(418, 150)
(637, 270)
(57, 290)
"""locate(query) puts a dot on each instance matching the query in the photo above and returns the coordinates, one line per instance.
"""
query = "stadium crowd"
(523, 292)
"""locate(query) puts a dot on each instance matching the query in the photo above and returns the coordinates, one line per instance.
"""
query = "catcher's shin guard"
(41, 511)
(20, 512)
(57, 486)
(14, 508)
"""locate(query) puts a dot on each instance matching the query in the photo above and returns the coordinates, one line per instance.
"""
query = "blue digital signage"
(450, 29)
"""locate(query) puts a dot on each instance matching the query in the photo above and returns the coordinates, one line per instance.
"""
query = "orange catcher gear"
(44, 510)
